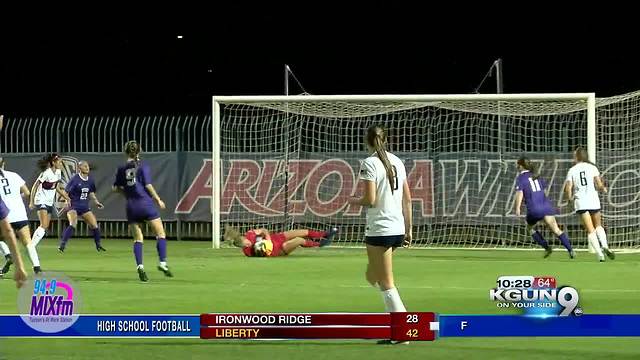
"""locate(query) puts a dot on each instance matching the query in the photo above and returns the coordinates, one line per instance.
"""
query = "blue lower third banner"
(101, 326)
(519, 325)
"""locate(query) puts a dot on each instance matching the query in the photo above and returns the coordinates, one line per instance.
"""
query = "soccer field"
(319, 280)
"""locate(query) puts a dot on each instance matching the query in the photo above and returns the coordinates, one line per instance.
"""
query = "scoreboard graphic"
(546, 309)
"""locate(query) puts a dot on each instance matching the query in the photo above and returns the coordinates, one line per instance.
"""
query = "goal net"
(293, 162)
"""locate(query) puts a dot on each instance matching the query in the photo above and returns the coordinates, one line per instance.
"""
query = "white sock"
(392, 301)
(163, 264)
(593, 240)
(141, 266)
(38, 235)
(4, 248)
(33, 254)
(602, 236)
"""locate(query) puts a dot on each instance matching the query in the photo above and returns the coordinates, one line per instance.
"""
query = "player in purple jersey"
(531, 188)
(20, 275)
(134, 180)
(81, 189)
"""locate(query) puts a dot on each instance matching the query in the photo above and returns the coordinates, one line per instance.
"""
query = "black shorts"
(48, 208)
(19, 224)
(393, 241)
(594, 211)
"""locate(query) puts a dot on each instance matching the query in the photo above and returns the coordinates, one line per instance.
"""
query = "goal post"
(459, 150)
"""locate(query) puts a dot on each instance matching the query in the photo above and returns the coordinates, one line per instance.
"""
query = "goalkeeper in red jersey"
(261, 243)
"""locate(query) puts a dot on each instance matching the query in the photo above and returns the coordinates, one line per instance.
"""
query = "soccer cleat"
(602, 259)
(142, 275)
(609, 254)
(37, 270)
(60, 249)
(331, 233)
(547, 252)
(165, 270)
(572, 254)
(7, 265)
(100, 248)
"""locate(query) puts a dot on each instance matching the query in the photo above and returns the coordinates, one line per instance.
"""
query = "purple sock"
(161, 246)
(96, 236)
(565, 241)
(66, 235)
(540, 240)
(137, 251)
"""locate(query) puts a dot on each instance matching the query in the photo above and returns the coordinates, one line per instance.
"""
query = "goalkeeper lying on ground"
(259, 242)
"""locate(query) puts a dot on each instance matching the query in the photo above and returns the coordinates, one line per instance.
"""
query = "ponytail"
(47, 161)
(377, 139)
(582, 155)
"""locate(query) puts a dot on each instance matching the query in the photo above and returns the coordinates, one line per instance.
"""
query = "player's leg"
(72, 216)
(381, 264)
(41, 231)
(585, 218)
(290, 245)
(20, 276)
(538, 238)
(92, 222)
(562, 236)
(325, 237)
(138, 240)
(161, 245)
(24, 234)
(4, 249)
(596, 218)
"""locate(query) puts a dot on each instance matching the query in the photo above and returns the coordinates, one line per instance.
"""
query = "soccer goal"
(283, 162)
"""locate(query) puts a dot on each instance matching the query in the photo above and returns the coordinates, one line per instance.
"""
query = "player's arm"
(597, 180)
(155, 196)
(33, 191)
(60, 190)
(1, 121)
(407, 212)
(518, 202)
(24, 190)
(568, 190)
(368, 197)
(94, 198)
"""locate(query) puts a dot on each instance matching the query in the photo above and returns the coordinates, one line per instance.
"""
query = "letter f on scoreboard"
(463, 324)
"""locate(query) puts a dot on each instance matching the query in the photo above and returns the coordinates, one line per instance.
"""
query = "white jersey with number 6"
(585, 194)
(10, 186)
(385, 217)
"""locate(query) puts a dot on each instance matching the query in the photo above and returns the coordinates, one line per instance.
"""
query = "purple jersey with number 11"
(538, 206)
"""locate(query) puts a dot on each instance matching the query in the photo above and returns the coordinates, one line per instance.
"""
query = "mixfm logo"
(50, 303)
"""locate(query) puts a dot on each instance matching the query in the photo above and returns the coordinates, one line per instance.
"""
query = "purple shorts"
(4, 210)
(139, 212)
(535, 215)
(81, 210)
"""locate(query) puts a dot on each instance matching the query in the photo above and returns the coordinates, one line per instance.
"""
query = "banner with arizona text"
(445, 187)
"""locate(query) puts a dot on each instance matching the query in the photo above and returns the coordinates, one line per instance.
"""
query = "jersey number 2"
(5, 186)
(583, 178)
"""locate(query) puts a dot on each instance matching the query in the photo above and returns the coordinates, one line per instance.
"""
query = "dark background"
(91, 64)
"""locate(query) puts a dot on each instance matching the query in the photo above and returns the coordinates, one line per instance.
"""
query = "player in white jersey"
(12, 190)
(20, 276)
(389, 217)
(581, 186)
(43, 193)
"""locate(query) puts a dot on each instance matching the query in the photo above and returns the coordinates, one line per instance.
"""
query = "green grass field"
(317, 280)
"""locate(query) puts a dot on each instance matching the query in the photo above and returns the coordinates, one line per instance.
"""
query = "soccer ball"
(263, 248)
